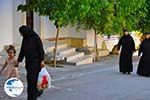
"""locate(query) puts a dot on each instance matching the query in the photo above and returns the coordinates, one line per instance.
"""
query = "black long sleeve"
(40, 48)
(21, 54)
(119, 44)
(140, 49)
(133, 44)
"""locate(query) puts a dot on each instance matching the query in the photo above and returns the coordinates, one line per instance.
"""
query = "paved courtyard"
(98, 81)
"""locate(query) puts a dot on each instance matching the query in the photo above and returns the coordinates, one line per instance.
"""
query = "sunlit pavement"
(98, 81)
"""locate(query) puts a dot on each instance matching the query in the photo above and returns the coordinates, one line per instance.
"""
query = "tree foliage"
(99, 16)
(54, 9)
(144, 23)
(106, 16)
(127, 14)
(103, 16)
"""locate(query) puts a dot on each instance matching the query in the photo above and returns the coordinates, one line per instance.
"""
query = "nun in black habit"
(144, 64)
(33, 52)
(128, 47)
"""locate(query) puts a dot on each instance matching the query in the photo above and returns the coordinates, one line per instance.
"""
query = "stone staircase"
(69, 53)
(71, 57)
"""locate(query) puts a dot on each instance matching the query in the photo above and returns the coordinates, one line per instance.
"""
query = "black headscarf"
(147, 33)
(26, 31)
(125, 30)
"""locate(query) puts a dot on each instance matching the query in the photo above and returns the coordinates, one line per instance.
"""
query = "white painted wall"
(6, 21)
(10, 21)
(90, 39)
(73, 32)
(37, 23)
(49, 30)
(18, 20)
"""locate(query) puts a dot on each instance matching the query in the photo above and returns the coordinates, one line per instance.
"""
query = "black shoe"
(124, 72)
(129, 73)
(147, 75)
(39, 93)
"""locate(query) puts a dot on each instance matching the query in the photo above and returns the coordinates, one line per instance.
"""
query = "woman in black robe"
(128, 47)
(144, 64)
(32, 50)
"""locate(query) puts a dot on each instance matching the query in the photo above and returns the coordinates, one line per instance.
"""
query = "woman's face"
(147, 36)
(126, 32)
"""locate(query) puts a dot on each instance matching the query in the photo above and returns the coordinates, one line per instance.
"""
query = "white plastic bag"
(44, 79)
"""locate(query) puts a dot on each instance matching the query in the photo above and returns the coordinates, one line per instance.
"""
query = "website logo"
(13, 87)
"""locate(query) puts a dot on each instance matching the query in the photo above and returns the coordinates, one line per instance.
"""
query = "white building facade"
(11, 20)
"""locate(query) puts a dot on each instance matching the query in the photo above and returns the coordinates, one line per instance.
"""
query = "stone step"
(73, 56)
(66, 51)
(103, 53)
(80, 61)
(51, 47)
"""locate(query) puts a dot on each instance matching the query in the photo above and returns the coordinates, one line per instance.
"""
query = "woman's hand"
(16, 64)
(42, 64)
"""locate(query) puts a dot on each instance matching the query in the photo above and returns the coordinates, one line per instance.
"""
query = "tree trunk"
(96, 52)
(55, 49)
(29, 16)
